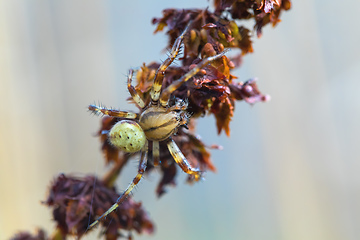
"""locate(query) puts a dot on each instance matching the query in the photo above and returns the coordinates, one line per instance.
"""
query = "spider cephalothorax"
(160, 123)
(157, 121)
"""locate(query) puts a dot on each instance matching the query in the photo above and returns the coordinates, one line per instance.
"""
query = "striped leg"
(160, 73)
(181, 160)
(133, 92)
(141, 170)
(165, 95)
(156, 153)
(112, 112)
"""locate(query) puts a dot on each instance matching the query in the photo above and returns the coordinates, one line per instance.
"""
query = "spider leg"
(160, 73)
(136, 180)
(165, 95)
(112, 112)
(181, 160)
(133, 92)
(156, 153)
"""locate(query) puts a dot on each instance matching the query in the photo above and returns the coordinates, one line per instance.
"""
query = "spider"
(157, 122)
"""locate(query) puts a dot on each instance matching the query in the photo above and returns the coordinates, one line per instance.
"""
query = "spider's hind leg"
(136, 180)
(182, 161)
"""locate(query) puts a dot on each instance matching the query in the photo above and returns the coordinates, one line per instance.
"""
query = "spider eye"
(127, 135)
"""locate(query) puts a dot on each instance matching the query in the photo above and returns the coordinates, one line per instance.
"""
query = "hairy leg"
(160, 73)
(136, 180)
(133, 92)
(112, 112)
(165, 95)
(182, 161)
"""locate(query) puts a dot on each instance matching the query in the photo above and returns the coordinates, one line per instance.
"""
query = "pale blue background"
(289, 171)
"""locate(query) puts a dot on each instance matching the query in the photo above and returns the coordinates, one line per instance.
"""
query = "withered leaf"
(223, 112)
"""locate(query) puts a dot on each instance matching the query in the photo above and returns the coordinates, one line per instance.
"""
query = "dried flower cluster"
(40, 235)
(77, 201)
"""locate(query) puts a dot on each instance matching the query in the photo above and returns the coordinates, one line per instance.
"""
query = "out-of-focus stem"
(110, 178)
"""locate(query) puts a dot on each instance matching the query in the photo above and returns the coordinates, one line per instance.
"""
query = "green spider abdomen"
(128, 136)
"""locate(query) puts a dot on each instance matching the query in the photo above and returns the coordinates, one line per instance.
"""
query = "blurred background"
(289, 171)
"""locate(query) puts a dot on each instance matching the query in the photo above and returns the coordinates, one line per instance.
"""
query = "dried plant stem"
(110, 177)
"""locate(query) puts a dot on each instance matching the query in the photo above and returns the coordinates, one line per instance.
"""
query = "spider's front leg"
(160, 73)
(181, 160)
(133, 92)
(136, 180)
(165, 95)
